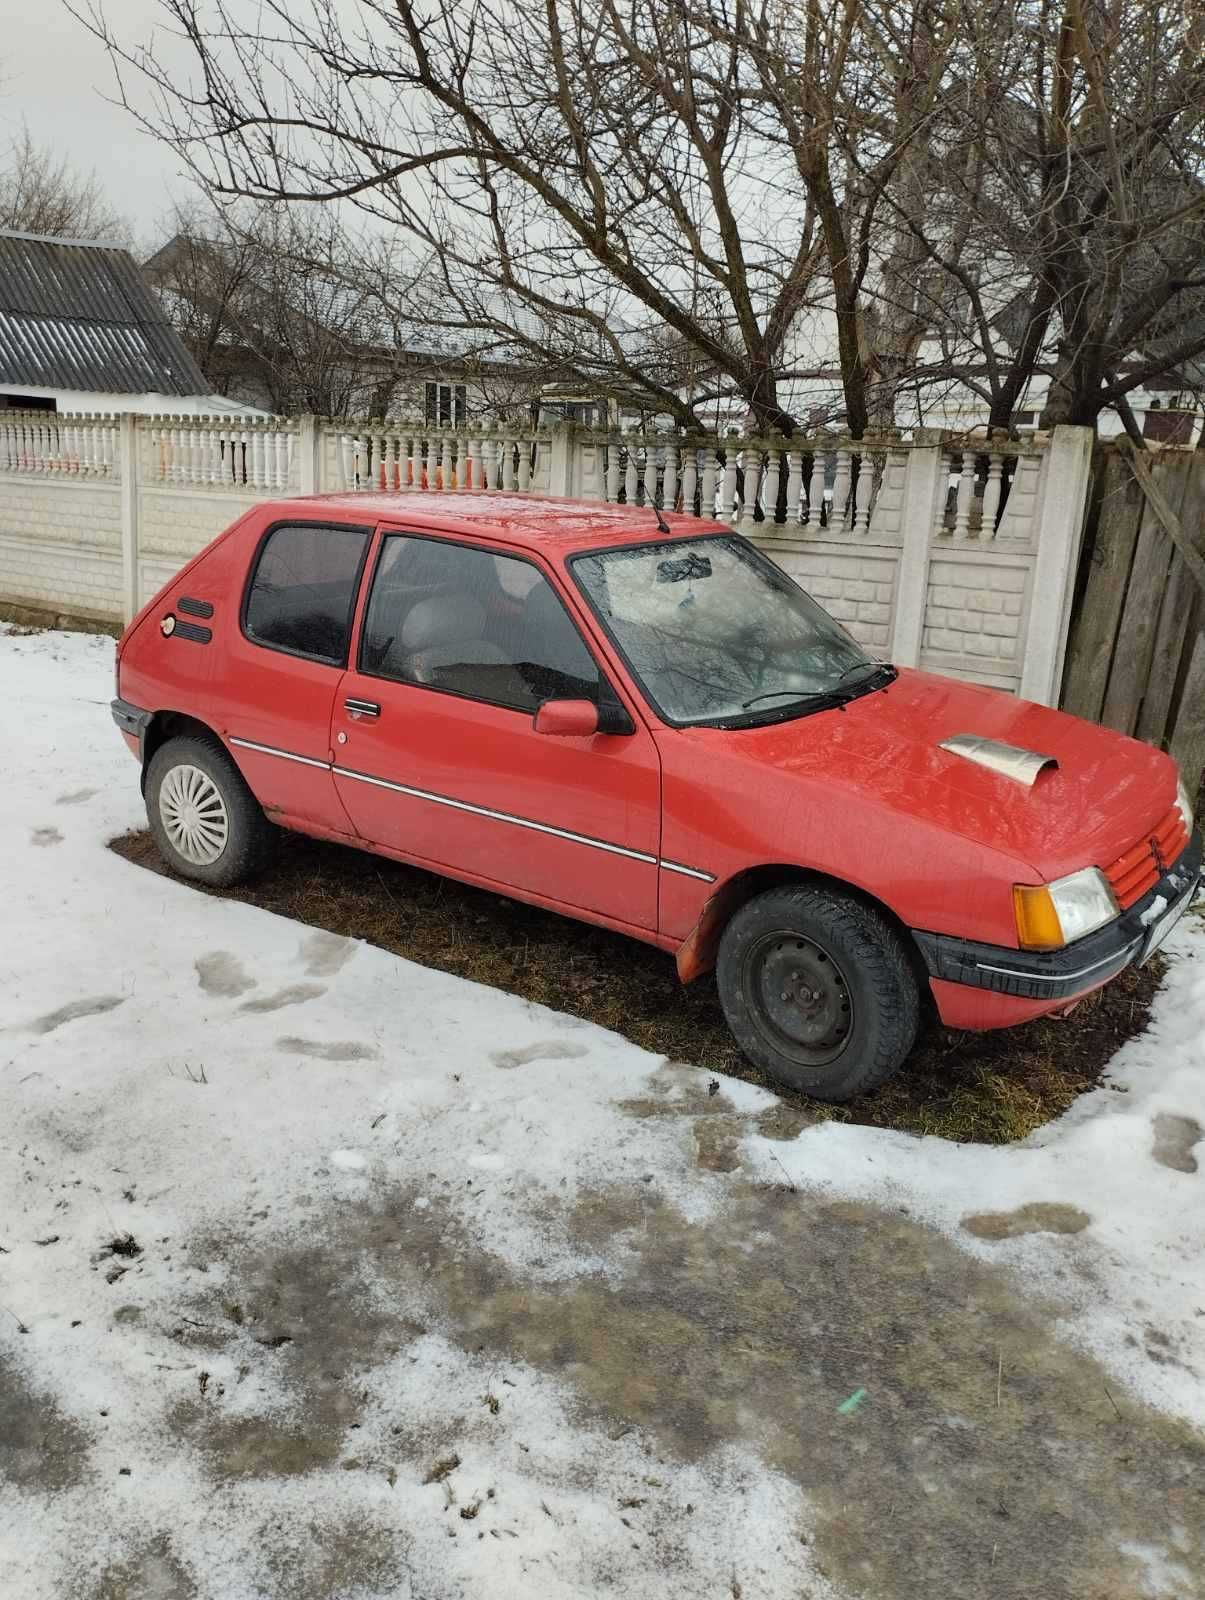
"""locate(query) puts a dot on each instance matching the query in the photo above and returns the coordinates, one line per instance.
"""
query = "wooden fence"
(1136, 653)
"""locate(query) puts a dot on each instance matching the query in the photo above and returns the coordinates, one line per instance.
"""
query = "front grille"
(1141, 867)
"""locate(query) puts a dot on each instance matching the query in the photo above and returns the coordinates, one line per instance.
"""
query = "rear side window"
(303, 590)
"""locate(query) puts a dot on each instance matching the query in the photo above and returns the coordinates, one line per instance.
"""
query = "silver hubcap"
(193, 814)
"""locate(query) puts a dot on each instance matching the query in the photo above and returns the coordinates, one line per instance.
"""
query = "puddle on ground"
(984, 1458)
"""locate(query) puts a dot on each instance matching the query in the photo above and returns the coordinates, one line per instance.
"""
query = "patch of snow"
(1154, 911)
(137, 1102)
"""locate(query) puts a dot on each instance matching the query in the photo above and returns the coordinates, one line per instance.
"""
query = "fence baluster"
(752, 475)
(840, 502)
(613, 448)
(991, 495)
(711, 472)
(648, 476)
(669, 478)
(770, 489)
(690, 477)
(965, 497)
(862, 492)
(726, 504)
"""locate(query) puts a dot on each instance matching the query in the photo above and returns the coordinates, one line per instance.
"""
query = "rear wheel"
(818, 990)
(204, 819)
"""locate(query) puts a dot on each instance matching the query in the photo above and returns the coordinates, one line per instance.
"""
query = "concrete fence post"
(128, 465)
(1066, 471)
(562, 475)
(923, 483)
(310, 453)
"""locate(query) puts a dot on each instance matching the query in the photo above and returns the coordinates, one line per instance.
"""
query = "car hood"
(1105, 792)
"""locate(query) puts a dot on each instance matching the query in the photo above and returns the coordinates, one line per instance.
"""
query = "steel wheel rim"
(800, 998)
(193, 813)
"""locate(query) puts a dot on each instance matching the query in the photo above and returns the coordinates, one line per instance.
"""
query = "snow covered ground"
(327, 1275)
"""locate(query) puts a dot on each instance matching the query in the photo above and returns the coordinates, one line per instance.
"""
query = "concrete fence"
(937, 552)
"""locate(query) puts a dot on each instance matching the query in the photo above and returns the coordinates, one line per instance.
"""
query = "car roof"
(551, 524)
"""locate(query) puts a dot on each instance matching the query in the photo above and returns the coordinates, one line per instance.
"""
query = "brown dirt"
(989, 1088)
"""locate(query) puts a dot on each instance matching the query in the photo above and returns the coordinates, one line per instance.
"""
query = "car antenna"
(662, 525)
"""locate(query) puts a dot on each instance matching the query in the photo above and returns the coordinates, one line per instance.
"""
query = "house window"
(447, 403)
(26, 402)
(1168, 426)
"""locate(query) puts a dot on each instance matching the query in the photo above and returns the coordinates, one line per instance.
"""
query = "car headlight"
(1184, 804)
(1054, 914)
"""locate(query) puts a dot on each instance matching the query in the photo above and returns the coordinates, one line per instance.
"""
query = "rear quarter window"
(303, 590)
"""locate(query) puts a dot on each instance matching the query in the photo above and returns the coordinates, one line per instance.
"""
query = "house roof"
(77, 315)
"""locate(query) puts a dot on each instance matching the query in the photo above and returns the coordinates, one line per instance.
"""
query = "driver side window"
(463, 620)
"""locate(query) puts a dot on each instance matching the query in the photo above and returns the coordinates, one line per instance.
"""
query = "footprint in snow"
(221, 973)
(1174, 1139)
(542, 1050)
(74, 1009)
(322, 954)
(323, 1050)
(45, 836)
(1039, 1216)
(76, 797)
(294, 995)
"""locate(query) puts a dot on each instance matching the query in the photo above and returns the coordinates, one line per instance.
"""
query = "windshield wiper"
(820, 697)
(858, 666)
(817, 699)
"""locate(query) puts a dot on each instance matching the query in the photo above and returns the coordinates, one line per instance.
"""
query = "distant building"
(80, 330)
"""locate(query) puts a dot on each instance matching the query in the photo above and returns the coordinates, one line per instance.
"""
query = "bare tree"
(980, 192)
(582, 183)
(1067, 211)
(281, 306)
(42, 193)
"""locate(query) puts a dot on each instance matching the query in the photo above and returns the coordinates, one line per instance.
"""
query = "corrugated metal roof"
(81, 316)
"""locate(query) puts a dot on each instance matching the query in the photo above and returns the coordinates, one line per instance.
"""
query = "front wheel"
(818, 990)
(204, 819)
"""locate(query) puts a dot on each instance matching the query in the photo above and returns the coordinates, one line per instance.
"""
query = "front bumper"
(1061, 974)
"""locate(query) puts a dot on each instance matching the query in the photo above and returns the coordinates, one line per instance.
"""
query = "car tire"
(818, 990)
(205, 820)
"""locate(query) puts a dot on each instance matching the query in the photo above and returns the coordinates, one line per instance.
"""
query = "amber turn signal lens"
(1038, 926)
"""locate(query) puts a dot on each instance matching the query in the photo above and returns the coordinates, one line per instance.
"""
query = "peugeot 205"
(641, 721)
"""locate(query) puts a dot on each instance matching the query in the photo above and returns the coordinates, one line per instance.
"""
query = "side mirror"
(568, 719)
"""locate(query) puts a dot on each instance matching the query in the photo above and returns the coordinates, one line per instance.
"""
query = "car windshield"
(716, 633)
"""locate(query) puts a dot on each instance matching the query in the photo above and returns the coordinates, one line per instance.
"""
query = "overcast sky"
(55, 75)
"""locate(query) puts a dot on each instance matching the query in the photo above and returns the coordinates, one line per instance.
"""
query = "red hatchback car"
(643, 722)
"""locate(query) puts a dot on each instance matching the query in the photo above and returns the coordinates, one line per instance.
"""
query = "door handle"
(362, 708)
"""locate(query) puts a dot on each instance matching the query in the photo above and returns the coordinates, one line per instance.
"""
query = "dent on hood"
(1009, 760)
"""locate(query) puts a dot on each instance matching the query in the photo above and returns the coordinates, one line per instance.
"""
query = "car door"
(436, 755)
(280, 665)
